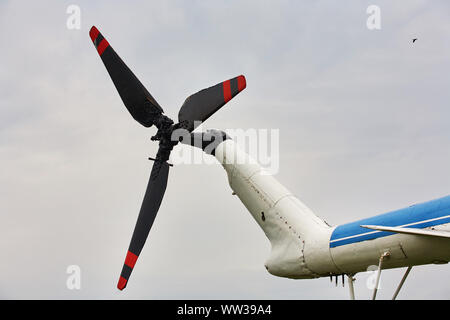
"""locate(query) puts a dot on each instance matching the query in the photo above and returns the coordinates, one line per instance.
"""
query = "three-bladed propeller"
(144, 109)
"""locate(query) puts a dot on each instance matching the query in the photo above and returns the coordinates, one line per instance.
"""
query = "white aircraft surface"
(304, 246)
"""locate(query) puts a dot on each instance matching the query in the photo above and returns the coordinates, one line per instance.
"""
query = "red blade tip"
(93, 33)
(122, 283)
(242, 83)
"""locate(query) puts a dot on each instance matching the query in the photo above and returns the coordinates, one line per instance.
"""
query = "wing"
(415, 231)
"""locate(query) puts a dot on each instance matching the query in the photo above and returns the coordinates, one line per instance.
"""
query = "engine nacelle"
(289, 225)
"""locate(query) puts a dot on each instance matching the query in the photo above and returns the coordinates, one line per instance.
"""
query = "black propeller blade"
(144, 109)
(201, 105)
(139, 102)
(152, 200)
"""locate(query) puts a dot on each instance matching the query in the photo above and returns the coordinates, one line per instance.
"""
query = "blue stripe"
(415, 214)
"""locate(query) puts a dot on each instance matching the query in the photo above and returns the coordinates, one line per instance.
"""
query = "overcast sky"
(363, 118)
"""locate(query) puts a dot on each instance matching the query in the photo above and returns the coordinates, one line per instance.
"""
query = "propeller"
(201, 105)
(145, 110)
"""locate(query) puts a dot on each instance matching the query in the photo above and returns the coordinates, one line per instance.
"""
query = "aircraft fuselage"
(305, 246)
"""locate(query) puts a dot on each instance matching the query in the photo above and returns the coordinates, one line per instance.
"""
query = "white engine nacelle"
(294, 232)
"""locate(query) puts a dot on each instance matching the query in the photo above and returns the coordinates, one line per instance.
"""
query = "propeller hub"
(165, 127)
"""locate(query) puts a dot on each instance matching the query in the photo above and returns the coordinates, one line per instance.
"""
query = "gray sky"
(363, 119)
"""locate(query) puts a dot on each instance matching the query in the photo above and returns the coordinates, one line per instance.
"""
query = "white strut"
(380, 265)
(350, 285)
(401, 282)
